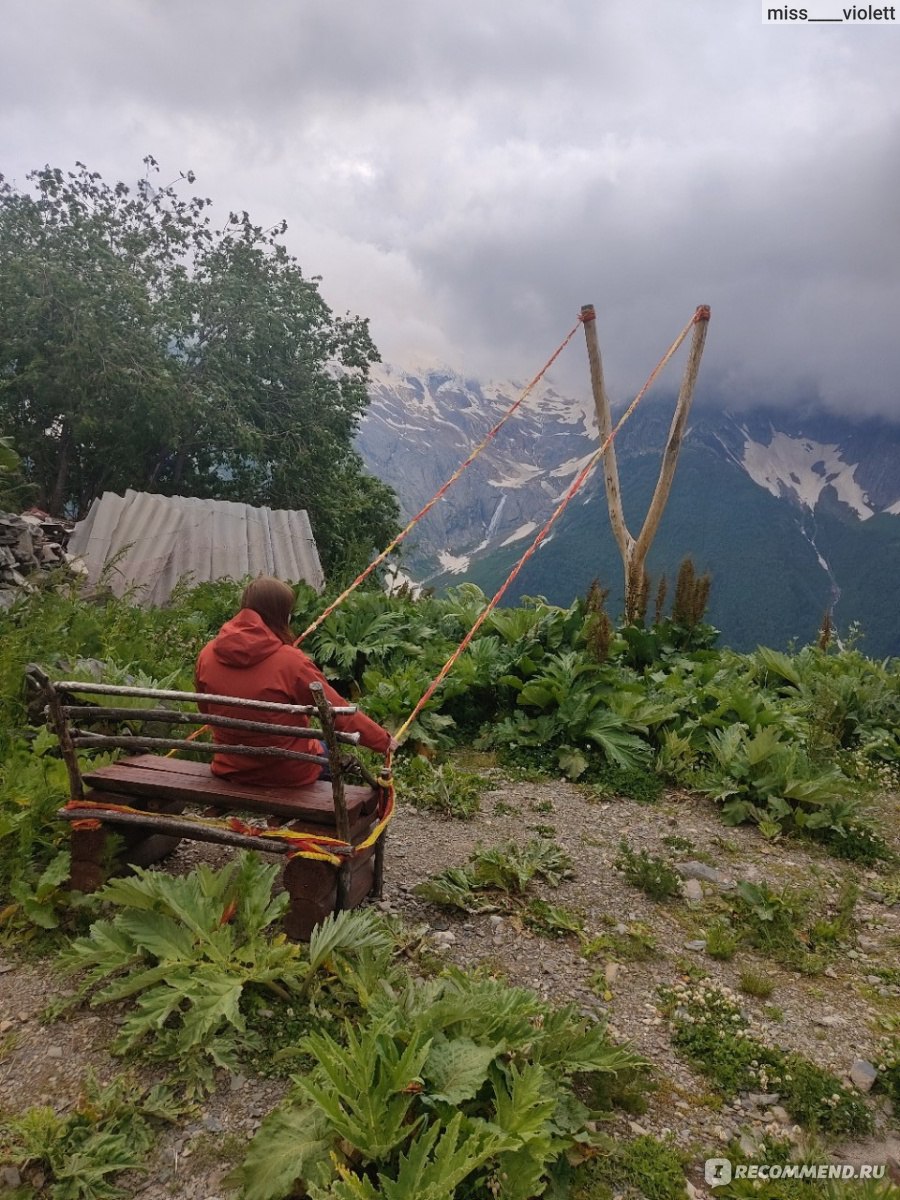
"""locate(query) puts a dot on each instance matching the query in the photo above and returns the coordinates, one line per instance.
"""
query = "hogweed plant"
(187, 952)
(456, 1086)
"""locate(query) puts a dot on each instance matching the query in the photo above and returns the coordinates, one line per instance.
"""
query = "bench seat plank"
(180, 779)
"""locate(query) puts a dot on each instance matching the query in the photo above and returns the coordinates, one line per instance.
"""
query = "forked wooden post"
(633, 551)
(341, 820)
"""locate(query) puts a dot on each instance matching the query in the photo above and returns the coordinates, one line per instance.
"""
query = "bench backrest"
(71, 717)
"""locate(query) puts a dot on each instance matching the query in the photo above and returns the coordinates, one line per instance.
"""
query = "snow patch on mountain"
(521, 532)
(804, 468)
(519, 475)
(573, 466)
(454, 563)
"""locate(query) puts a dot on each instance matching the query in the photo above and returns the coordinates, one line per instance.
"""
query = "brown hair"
(274, 601)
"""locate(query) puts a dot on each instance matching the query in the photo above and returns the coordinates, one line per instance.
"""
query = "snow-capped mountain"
(792, 512)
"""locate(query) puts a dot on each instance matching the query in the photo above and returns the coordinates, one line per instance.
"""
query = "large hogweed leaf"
(524, 1102)
(367, 1086)
(292, 1144)
(456, 1068)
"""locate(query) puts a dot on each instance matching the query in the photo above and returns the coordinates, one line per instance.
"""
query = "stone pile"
(29, 543)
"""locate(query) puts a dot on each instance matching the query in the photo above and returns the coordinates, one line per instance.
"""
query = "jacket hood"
(245, 640)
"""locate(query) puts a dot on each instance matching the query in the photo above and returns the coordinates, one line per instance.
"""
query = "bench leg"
(87, 872)
(311, 887)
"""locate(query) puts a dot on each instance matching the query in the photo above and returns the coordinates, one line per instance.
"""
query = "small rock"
(213, 1125)
(54, 1052)
(236, 1082)
(748, 1146)
(637, 1129)
(692, 889)
(495, 920)
(763, 1099)
(873, 979)
(6, 1026)
(10, 1176)
(863, 1075)
(721, 1134)
(830, 1021)
(830, 972)
(780, 1114)
(611, 972)
(699, 944)
(699, 870)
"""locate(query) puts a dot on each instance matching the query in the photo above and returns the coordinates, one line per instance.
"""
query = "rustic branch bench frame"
(143, 795)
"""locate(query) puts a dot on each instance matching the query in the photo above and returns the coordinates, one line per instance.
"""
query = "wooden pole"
(180, 828)
(113, 689)
(60, 727)
(624, 540)
(172, 716)
(676, 436)
(135, 742)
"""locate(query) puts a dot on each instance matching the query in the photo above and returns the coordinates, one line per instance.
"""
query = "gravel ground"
(832, 1018)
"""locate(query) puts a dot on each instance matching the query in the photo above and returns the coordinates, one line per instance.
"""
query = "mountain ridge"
(794, 511)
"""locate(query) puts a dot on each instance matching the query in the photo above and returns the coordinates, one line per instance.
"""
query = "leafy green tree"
(141, 346)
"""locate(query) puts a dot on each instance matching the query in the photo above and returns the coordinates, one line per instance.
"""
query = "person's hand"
(393, 745)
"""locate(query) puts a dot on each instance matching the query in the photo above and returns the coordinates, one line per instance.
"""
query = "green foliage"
(788, 742)
(496, 875)
(654, 1168)
(772, 1151)
(654, 876)
(712, 1032)
(552, 920)
(570, 715)
(445, 1085)
(201, 363)
(774, 783)
(769, 918)
(32, 788)
(109, 1130)
(638, 783)
(888, 1081)
(439, 788)
(756, 983)
(721, 941)
(13, 491)
(635, 943)
(184, 949)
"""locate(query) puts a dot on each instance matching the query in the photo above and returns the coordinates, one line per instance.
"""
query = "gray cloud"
(468, 176)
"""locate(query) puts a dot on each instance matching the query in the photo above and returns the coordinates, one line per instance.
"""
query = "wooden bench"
(142, 797)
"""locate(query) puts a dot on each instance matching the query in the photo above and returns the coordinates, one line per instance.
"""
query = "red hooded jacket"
(248, 660)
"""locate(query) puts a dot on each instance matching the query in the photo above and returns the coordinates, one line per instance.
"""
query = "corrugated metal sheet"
(154, 541)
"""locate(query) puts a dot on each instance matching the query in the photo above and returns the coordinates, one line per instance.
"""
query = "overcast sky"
(468, 175)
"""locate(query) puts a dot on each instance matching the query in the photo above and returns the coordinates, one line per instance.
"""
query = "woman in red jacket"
(252, 657)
